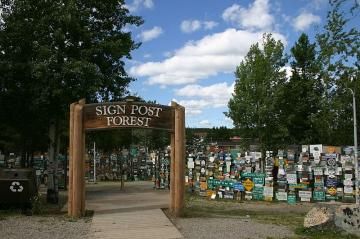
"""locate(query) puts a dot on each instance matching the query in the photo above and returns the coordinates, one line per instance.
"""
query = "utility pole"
(355, 149)
(356, 152)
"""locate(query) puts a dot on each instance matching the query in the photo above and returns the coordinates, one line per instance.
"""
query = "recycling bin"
(17, 187)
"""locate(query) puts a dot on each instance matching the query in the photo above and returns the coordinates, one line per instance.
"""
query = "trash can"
(17, 187)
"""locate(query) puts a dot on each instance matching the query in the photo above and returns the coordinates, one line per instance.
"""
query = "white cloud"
(213, 54)
(317, 4)
(168, 54)
(255, 17)
(205, 123)
(203, 97)
(288, 71)
(137, 4)
(305, 20)
(189, 26)
(147, 55)
(151, 34)
(208, 25)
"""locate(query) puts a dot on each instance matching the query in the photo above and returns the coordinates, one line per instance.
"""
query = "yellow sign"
(332, 191)
(203, 186)
(248, 184)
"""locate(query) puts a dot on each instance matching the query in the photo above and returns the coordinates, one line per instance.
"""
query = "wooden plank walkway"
(134, 225)
(132, 213)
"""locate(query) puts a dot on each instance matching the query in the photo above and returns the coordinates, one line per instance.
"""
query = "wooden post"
(82, 165)
(71, 159)
(77, 161)
(172, 174)
(179, 160)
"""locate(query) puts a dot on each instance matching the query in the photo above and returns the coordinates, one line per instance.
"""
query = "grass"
(197, 207)
(324, 233)
(205, 211)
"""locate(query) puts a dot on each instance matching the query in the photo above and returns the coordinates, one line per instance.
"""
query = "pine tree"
(303, 93)
(53, 53)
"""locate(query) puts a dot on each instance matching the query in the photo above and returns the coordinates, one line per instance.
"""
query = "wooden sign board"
(128, 115)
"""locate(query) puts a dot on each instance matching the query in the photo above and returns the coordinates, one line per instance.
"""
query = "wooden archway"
(129, 114)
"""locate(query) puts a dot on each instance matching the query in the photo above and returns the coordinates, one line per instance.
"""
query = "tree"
(254, 105)
(56, 52)
(339, 48)
(302, 96)
(219, 133)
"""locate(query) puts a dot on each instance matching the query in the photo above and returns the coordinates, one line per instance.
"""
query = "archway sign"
(128, 114)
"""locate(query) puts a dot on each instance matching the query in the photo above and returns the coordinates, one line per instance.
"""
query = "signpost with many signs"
(128, 114)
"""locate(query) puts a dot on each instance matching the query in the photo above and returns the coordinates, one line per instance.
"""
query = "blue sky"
(190, 49)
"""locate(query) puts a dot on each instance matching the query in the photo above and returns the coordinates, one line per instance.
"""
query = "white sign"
(305, 199)
(291, 178)
(348, 182)
(305, 194)
(318, 171)
(348, 190)
(248, 196)
(281, 196)
(348, 176)
(316, 148)
(268, 191)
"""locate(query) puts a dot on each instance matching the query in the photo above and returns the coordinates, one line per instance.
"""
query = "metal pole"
(94, 163)
(356, 151)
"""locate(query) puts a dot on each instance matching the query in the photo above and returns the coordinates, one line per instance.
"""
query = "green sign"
(319, 184)
(234, 153)
(259, 190)
(291, 199)
(133, 151)
(319, 195)
(329, 197)
(258, 175)
(298, 186)
(258, 181)
(216, 183)
(258, 193)
(257, 196)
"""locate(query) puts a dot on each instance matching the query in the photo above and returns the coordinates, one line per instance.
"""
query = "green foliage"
(37, 205)
(339, 48)
(315, 104)
(254, 104)
(220, 133)
(53, 53)
(302, 94)
(324, 233)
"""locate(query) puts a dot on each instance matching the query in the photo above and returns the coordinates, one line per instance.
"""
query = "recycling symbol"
(16, 187)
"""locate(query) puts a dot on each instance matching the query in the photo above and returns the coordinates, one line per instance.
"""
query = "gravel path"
(54, 227)
(215, 228)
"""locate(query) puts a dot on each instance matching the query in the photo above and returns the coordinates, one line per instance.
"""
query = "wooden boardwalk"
(130, 214)
(134, 225)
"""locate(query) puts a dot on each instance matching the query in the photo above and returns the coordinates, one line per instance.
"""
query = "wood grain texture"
(128, 115)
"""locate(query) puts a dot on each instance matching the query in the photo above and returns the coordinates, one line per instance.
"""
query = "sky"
(190, 48)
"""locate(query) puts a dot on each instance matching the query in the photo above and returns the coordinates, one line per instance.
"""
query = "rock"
(318, 216)
(347, 217)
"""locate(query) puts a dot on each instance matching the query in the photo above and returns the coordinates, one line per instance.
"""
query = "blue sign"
(239, 187)
(331, 182)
